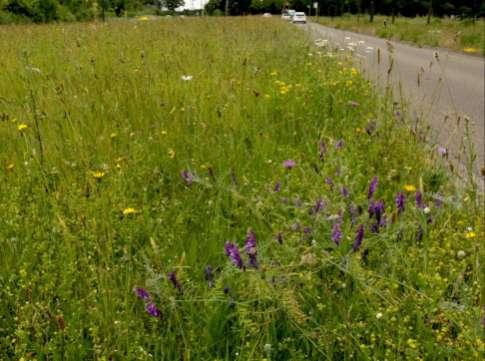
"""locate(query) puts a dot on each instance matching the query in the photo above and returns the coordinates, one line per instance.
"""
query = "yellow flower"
(353, 72)
(21, 127)
(129, 211)
(171, 153)
(164, 132)
(470, 50)
(98, 174)
(10, 166)
(409, 188)
(470, 234)
(113, 135)
(274, 73)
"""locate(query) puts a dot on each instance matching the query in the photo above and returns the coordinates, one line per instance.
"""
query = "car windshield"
(300, 14)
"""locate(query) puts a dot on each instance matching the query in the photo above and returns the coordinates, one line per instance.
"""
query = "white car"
(286, 16)
(299, 18)
(267, 15)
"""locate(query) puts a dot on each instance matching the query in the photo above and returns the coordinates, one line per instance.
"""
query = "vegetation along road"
(443, 87)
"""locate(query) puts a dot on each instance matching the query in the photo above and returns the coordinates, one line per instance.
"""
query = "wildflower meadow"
(223, 189)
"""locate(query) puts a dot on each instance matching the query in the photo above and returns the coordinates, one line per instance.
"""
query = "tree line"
(80, 10)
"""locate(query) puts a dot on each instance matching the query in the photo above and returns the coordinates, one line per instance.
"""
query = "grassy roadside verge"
(462, 36)
(134, 152)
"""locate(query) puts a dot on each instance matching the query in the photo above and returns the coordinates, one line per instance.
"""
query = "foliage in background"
(219, 189)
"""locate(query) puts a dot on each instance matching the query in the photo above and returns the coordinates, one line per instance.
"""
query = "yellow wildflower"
(164, 132)
(470, 234)
(21, 127)
(113, 135)
(97, 174)
(10, 166)
(409, 188)
(470, 50)
(171, 153)
(274, 73)
(129, 211)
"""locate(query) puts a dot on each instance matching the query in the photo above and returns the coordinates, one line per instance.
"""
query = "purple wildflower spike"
(187, 176)
(233, 253)
(336, 234)
(322, 149)
(400, 201)
(209, 276)
(172, 277)
(153, 310)
(419, 199)
(318, 207)
(277, 186)
(372, 187)
(250, 247)
(345, 192)
(289, 164)
(379, 209)
(374, 228)
(340, 143)
(359, 236)
(329, 181)
(142, 293)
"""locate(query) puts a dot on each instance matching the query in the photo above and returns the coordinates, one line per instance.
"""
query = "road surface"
(442, 87)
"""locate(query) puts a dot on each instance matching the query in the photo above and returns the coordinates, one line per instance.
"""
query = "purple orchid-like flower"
(345, 192)
(336, 234)
(209, 276)
(372, 187)
(233, 253)
(359, 236)
(172, 277)
(142, 293)
(187, 176)
(289, 164)
(418, 197)
(318, 207)
(374, 228)
(153, 310)
(277, 186)
(250, 247)
(400, 201)
(340, 143)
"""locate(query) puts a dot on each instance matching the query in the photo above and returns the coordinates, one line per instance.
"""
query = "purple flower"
(374, 228)
(340, 143)
(279, 238)
(329, 181)
(142, 293)
(289, 164)
(438, 202)
(233, 253)
(322, 149)
(250, 247)
(152, 310)
(336, 234)
(307, 231)
(419, 199)
(209, 276)
(379, 210)
(400, 200)
(172, 277)
(372, 187)
(345, 192)
(442, 151)
(277, 186)
(318, 207)
(226, 290)
(359, 236)
(187, 176)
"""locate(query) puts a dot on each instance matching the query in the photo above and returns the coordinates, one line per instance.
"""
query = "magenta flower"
(152, 310)
(251, 250)
(359, 236)
(187, 176)
(142, 293)
(340, 143)
(289, 164)
(442, 151)
(233, 253)
(400, 201)
(345, 192)
(318, 207)
(336, 234)
(418, 197)
(372, 187)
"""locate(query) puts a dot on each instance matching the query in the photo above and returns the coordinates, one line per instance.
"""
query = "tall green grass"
(460, 35)
(98, 121)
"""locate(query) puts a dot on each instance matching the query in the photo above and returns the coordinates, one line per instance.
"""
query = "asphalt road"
(441, 87)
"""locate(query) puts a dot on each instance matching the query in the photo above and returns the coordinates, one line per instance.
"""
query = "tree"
(172, 4)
